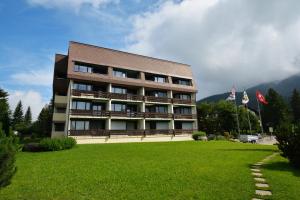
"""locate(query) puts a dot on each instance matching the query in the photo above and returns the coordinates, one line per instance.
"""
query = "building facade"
(100, 93)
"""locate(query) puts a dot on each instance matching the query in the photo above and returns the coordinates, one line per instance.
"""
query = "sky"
(226, 42)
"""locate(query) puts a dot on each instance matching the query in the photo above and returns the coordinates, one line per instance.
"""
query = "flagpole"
(248, 118)
(261, 126)
(237, 117)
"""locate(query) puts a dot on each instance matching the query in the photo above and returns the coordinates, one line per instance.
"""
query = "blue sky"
(31, 33)
(226, 42)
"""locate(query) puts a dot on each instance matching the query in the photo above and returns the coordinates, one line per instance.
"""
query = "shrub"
(8, 149)
(197, 135)
(288, 138)
(56, 144)
(32, 147)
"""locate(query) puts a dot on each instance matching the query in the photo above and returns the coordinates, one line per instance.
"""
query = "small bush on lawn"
(9, 145)
(288, 138)
(56, 144)
(220, 137)
(197, 135)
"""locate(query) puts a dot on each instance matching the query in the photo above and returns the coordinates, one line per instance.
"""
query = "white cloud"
(226, 41)
(29, 98)
(71, 4)
(39, 78)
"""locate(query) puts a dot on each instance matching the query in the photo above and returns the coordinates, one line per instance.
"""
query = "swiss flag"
(261, 98)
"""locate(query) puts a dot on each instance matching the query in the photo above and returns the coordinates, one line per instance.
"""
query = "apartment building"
(105, 93)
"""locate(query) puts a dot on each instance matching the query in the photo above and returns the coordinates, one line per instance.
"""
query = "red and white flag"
(261, 98)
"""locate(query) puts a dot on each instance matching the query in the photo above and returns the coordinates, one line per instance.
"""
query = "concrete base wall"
(128, 139)
(57, 134)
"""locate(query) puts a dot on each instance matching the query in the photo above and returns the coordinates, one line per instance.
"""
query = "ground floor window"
(80, 125)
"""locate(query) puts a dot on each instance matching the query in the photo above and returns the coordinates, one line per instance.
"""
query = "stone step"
(263, 192)
(255, 170)
(257, 174)
(262, 185)
(260, 179)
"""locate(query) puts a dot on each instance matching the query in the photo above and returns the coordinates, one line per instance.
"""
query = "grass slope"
(284, 180)
(174, 170)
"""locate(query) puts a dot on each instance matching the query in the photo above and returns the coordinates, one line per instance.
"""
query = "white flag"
(245, 99)
(232, 95)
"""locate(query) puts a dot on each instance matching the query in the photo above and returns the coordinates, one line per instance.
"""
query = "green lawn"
(174, 170)
(284, 180)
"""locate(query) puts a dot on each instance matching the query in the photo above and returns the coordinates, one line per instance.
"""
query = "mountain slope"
(283, 87)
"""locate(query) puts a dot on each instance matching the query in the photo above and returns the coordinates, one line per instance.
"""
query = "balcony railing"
(157, 115)
(103, 113)
(157, 131)
(132, 97)
(126, 114)
(185, 116)
(183, 131)
(100, 113)
(135, 132)
(95, 94)
(96, 132)
(158, 99)
(183, 101)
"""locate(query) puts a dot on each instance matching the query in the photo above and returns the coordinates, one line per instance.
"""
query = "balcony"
(185, 116)
(131, 97)
(126, 114)
(183, 131)
(97, 113)
(94, 94)
(157, 131)
(60, 100)
(96, 132)
(59, 117)
(158, 99)
(183, 101)
(158, 115)
(135, 132)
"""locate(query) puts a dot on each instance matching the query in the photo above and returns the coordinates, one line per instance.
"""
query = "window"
(181, 81)
(97, 107)
(82, 68)
(182, 96)
(119, 90)
(80, 105)
(159, 79)
(79, 86)
(183, 110)
(161, 109)
(119, 73)
(118, 107)
(160, 94)
(80, 125)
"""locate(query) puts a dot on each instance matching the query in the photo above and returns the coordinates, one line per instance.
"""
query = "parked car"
(249, 138)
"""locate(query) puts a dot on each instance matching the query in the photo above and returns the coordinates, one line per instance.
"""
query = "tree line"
(220, 117)
(23, 123)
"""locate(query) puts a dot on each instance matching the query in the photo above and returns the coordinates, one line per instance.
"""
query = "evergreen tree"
(295, 105)
(18, 117)
(276, 111)
(28, 116)
(4, 111)
(44, 122)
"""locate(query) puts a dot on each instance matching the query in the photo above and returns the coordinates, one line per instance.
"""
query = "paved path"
(262, 187)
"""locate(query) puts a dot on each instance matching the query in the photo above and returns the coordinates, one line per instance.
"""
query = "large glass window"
(159, 79)
(182, 96)
(80, 125)
(183, 110)
(97, 107)
(160, 94)
(81, 86)
(118, 107)
(119, 90)
(119, 73)
(161, 109)
(81, 105)
(82, 68)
